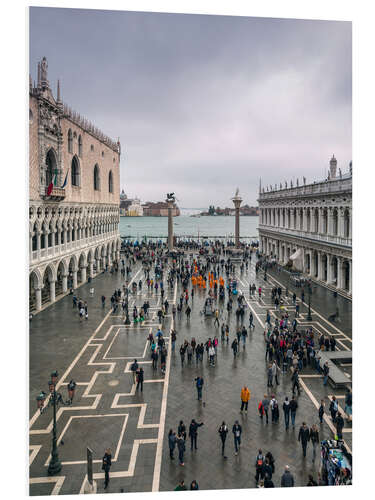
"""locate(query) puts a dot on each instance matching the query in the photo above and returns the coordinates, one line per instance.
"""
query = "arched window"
(76, 181)
(79, 146)
(96, 178)
(346, 224)
(70, 141)
(51, 166)
(50, 235)
(35, 237)
(110, 182)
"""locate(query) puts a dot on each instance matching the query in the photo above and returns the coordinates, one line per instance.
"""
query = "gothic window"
(35, 237)
(75, 172)
(56, 237)
(70, 141)
(51, 166)
(80, 146)
(50, 235)
(96, 178)
(110, 182)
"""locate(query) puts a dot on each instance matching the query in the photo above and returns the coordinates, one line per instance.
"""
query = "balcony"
(57, 194)
(321, 238)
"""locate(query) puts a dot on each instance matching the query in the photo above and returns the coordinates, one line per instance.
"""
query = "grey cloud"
(203, 103)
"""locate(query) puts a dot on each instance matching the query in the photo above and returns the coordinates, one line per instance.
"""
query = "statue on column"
(44, 68)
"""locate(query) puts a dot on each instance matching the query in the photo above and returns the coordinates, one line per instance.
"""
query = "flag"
(52, 184)
(66, 180)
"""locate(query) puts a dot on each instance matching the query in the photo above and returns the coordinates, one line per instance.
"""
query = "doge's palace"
(74, 186)
(311, 225)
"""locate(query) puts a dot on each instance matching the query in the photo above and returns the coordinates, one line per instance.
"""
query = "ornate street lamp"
(55, 400)
(309, 318)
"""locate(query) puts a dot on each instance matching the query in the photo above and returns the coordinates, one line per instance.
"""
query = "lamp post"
(54, 401)
(309, 318)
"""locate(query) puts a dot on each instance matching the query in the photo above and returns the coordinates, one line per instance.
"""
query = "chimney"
(333, 167)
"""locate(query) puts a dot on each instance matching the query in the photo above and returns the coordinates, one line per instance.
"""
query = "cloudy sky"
(204, 104)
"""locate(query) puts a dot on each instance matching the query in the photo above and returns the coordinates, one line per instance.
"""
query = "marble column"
(38, 298)
(237, 200)
(339, 273)
(83, 273)
(52, 288)
(91, 269)
(64, 283)
(350, 276)
(74, 279)
(329, 269)
(170, 225)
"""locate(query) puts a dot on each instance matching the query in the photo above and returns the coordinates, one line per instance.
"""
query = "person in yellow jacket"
(245, 397)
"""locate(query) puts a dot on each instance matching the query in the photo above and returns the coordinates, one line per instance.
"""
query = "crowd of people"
(289, 349)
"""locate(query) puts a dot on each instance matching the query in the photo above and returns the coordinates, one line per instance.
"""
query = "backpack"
(260, 461)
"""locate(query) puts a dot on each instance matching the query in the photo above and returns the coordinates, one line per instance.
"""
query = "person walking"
(314, 438)
(199, 385)
(211, 354)
(140, 377)
(321, 411)
(106, 466)
(333, 408)
(265, 404)
(237, 431)
(182, 429)
(235, 347)
(304, 437)
(216, 322)
(173, 338)
(286, 410)
(269, 376)
(181, 449)
(193, 433)
(287, 479)
(295, 381)
(223, 431)
(171, 443)
(134, 368)
(194, 485)
(259, 466)
(293, 411)
(339, 425)
(275, 371)
(325, 373)
(274, 410)
(245, 397)
(348, 404)
(181, 486)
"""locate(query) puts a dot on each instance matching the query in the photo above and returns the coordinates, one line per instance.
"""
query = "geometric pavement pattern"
(108, 412)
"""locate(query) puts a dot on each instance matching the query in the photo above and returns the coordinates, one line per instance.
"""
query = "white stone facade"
(74, 227)
(315, 219)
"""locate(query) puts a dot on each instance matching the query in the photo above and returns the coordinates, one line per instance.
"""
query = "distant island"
(244, 210)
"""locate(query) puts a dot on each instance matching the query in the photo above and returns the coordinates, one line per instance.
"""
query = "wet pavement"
(108, 412)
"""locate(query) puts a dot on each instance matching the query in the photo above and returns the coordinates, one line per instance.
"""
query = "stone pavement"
(107, 412)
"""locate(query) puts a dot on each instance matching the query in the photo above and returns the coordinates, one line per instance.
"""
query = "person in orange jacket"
(245, 396)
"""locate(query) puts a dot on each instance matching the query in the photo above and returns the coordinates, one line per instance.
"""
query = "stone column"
(311, 263)
(329, 269)
(52, 290)
(321, 222)
(170, 225)
(320, 267)
(341, 221)
(83, 273)
(350, 223)
(91, 269)
(237, 200)
(339, 273)
(330, 222)
(74, 280)
(64, 283)
(350, 276)
(38, 298)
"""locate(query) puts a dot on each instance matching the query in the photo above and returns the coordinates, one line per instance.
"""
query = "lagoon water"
(187, 226)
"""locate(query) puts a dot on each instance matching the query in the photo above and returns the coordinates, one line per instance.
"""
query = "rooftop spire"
(58, 91)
